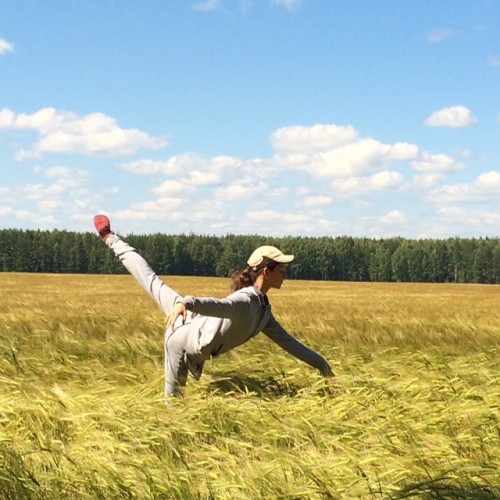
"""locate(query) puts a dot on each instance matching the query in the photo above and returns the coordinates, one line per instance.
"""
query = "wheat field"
(413, 411)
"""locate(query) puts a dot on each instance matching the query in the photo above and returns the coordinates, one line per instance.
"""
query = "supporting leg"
(176, 369)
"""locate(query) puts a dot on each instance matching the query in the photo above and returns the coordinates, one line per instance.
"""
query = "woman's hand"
(178, 310)
(326, 370)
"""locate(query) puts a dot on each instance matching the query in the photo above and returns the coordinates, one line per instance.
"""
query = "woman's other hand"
(178, 310)
(326, 370)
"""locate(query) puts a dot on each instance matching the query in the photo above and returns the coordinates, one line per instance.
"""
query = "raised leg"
(137, 266)
(176, 369)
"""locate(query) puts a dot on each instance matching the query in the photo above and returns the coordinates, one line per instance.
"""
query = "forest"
(341, 258)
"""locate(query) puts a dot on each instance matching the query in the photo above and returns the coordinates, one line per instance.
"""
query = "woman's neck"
(261, 284)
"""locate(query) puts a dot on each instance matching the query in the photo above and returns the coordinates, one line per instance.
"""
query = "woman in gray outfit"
(202, 327)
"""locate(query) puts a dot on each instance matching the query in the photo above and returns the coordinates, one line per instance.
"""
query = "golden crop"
(414, 410)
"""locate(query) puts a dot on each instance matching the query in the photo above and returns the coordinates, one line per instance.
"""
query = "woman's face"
(276, 276)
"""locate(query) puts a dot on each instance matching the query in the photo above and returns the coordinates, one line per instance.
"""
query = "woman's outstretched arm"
(291, 345)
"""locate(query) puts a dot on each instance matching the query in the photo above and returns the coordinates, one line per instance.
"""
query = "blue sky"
(373, 118)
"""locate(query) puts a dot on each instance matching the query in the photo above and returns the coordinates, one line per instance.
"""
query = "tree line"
(343, 258)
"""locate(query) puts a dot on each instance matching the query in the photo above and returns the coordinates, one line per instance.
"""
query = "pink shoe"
(103, 226)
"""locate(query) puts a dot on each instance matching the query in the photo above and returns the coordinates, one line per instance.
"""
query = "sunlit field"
(413, 412)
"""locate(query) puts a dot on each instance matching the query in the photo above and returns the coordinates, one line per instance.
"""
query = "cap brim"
(285, 259)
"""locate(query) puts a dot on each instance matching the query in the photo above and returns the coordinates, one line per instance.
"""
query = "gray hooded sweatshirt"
(219, 325)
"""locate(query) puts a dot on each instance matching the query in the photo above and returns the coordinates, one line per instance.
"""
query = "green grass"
(414, 411)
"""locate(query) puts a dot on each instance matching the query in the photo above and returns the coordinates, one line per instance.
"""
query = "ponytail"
(243, 278)
(247, 276)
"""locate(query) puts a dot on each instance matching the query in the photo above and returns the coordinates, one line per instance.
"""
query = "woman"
(202, 327)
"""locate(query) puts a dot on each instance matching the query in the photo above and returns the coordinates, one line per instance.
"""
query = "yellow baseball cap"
(270, 252)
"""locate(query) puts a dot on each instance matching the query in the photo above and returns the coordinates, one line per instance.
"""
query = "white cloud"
(489, 181)
(429, 162)
(286, 223)
(207, 5)
(39, 191)
(65, 132)
(317, 201)
(164, 209)
(288, 4)
(7, 118)
(69, 185)
(223, 163)
(181, 213)
(484, 188)
(320, 151)
(355, 186)
(303, 190)
(364, 192)
(273, 216)
(494, 61)
(199, 178)
(336, 151)
(170, 187)
(467, 221)
(130, 215)
(193, 168)
(426, 180)
(172, 166)
(358, 168)
(214, 170)
(245, 5)
(239, 191)
(247, 190)
(61, 193)
(438, 35)
(210, 213)
(54, 172)
(24, 214)
(453, 116)
(299, 139)
(362, 157)
(63, 173)
(35, 218)
(50, 205)
(5, 47)
(394, 217)
(5, 211)
(385, 180)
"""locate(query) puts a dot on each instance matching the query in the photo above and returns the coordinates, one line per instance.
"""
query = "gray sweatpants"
(176, 369)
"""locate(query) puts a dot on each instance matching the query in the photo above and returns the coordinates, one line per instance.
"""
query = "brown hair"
(247, 276)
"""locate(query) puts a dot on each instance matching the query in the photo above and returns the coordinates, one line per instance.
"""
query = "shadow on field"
(442, 489)
(262, 385)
